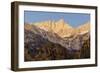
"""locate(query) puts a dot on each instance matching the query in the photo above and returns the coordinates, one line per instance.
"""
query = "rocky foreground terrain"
(56, 40)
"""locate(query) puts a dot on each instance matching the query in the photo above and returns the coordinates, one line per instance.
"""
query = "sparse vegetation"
(85, 50)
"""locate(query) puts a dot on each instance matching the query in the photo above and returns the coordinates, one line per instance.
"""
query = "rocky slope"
(51, 40)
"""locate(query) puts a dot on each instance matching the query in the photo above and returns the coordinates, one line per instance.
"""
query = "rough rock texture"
(56, 40)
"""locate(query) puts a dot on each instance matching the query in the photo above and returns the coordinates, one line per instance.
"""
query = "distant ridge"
(61, 28)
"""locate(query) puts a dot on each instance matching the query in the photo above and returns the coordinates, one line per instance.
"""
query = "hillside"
(43, 44)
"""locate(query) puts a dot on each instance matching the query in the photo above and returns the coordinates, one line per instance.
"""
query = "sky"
(74, 19)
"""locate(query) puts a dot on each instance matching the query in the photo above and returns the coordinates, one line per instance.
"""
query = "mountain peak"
(84, 28)
(61, 21)
(61, 28)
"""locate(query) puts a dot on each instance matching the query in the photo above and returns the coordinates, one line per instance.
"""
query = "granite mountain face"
(54, 40)
(58, 27)
(61, 28)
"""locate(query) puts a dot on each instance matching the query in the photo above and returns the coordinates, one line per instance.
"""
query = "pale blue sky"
(74, 19)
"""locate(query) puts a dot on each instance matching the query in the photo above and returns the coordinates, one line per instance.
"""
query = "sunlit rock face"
(62, 29)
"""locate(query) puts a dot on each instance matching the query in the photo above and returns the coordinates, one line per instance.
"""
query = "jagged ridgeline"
(56, 40)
